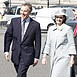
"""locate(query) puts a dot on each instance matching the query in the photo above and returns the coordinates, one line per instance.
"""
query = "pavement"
(7, 68)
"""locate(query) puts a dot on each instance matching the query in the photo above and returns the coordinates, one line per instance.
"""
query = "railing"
(3, 23)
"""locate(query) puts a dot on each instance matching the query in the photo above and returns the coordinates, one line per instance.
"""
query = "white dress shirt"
(26, 25)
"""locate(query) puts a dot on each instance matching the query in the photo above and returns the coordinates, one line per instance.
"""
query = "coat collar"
(59, 28)
(18, 26)
(27, 20)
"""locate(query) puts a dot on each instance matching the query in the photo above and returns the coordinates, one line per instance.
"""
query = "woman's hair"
(29, 5)
(63, 20)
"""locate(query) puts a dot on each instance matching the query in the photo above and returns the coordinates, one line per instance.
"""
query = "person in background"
(0, 19)
(75, 37)
(75, 13)
(60, 45)
(4, 11)
(0, 16)
(25, 35)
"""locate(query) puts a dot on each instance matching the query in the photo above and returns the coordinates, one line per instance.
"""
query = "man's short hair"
(29, 5)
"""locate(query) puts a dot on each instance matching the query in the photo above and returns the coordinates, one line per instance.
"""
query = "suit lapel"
(29, 28)
(19, 29)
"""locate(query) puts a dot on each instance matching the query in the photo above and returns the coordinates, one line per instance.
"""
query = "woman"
(60, 45)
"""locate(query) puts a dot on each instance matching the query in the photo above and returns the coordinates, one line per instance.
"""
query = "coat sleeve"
(38, 42)
(71, 43)
(47, 45)
(8, 38)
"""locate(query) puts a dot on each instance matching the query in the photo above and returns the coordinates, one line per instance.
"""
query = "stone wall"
(38, 2)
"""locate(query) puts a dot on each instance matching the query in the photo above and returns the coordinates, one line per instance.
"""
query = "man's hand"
(7, 56)
(35, 63)
(72, 60)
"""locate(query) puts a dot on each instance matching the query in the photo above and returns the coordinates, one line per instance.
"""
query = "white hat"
(60, 11)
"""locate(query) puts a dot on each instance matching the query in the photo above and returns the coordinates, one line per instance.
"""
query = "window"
(18, 11)
(12, 11)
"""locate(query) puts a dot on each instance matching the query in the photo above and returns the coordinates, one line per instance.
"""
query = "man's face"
(24, 12)
(75, 13)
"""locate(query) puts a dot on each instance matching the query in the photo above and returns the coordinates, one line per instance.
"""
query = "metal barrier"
(3, 23)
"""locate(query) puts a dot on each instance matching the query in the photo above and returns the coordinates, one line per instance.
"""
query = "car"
(15, 12)
(44, 17)
(62, 6)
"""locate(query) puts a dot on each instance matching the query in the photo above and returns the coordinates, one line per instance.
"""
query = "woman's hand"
(44, 61)
(72, 60)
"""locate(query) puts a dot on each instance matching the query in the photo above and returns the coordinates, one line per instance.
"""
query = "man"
(75, 37)
(25, 35)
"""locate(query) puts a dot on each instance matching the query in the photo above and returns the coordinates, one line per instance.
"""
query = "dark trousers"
(21, 69)
(72, 72)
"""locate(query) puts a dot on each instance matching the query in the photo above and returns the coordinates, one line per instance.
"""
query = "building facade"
(38, 2)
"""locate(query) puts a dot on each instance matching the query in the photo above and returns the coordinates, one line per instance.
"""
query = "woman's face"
(59, 19)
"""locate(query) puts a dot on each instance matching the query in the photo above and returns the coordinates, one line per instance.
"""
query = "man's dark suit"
(75, 64)
(28, 49)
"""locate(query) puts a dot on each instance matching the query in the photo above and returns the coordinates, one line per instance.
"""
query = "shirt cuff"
(36, 59)
(6, 53)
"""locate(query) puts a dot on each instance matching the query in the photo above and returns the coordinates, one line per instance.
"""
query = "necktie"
(75, 30)
(23, 28)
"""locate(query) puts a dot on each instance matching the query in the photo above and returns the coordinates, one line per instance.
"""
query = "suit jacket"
(75, 64)
(28, 49)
